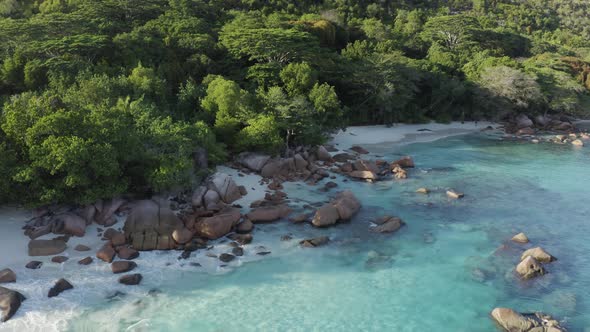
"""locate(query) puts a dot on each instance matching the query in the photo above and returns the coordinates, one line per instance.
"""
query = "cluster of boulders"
(371, 170)
(523, 125)
(531, 260)
(512, 321)
(343, 207)
(387, 224)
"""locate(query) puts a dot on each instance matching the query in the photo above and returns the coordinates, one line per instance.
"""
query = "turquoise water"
(444, 271)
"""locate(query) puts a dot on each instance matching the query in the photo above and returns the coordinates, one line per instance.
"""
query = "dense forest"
(104, 97)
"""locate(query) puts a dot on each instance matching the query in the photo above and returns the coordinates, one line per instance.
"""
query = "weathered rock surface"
(46, 247)
(131, 279)
(211, 200)
(69, 223)
(539, 254)
(122, 266)
(60, 286)
(359, 149)
(106, 210)
(197, 198)
(226, 187)
(7, 275)
(325, 216)
(127, 253)
(315, 242)
(86, 261)
(364, 175)
(59, 259)
(343, 207)
(520, 238)
(182, 235)
(454, 194)
(529, 268)
(226, 258)
(106, 253)
(268, 213)
(323, 154)
(244, 227)
(34, 265)
(10, 301)
(149, 226)
(82, 247)
(253, 161)
(219, 225)
(523, 121)
(512, 321)
(388, 224)
(404, 162)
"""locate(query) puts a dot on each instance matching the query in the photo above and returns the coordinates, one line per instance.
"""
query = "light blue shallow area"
(444, 271)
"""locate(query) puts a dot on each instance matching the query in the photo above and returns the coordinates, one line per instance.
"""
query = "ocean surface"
(445, 270)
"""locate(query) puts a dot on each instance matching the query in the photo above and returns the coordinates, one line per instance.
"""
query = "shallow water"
(444, 271)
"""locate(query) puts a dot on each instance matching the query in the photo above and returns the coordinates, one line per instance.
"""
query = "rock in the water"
(268, 213)
(131, 279)
(237, 251)
(364, 175)
(85, 261)
(346, 204)
(454, 194)
(315, 242)
(219, 225)
(520, 238)
(127, 253)
(359, 149)
(82, 247)
(404, 162)
(525, 131)
(106, 253)
(69, 223)
(10, 301)
(60, 286)
(118, 239)
(529, 268)
(323, 154)
(149, 226)
(7, 275)
(122, 266)
(298, 218)
(390, 225)
(423, 191)
(59, 259)
(226, 258)
(325, 216)
(253, 161)
(577, 142)
(226, 187)
(244, 227)
(46, 247)
(182, 235)
(539, 254)
(512, 321)
(34, 265)
(241, 238)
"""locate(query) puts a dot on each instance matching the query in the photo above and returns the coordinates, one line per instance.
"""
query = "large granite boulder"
(387, 224)
(529, 268)
(60, 286)
(149, 226)
(268, 213)
(327, 215)
(70, 224)
(226, 187)
(539, 254)
(523, 121)
(275, 167)
(7, 275)
(365, 165)
(512, 321)
(253, 161)
(343, 207)
(323, 154)
(198, 195)
(46, 247)
(218, 225)
(10, 301)
(364, 175)
(211, 200)
(105, 215)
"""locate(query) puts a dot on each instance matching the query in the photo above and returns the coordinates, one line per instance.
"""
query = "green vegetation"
(102, 97)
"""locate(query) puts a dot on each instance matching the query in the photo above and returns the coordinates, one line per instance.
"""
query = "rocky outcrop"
(211, 200)
(512, 321)
(106, 253)
(149, 226)
(105, 211)
(529, 268)
(60, 286)
(218, 225)
(268, 213)
(520, 238)
(197, 197)
(244, 227)
(10, 302)
(404, 162)
(343, 207)
(70, 224)
(523, 121)
(46, 247)
(364, 175)
(253, 161)
(322, 154)
(387, 224)
(539, 254)
(127, 253)
(7, 275)
(226, 187)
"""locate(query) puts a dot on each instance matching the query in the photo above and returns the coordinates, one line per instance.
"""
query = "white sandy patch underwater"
(441, 272)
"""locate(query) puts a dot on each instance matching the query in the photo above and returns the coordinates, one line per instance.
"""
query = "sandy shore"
(404, 133)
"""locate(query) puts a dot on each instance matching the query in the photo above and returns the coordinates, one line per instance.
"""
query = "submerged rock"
(86, 261)
(388, 224)
(423, 191)
(10, 301)
(127, 253)
(226, 258)
(454, 194)
(512, 321)
(520, 238)
(60, 286)
(34, 265)
(82, 247)
(404, 162)
(122, 266)
(359, 149)
(46, 247)
(131, 279)
(244, 227)
(59, 259)
(539, 254)
(530, 268)
(7, 275)
(343, 207)
(315, 242)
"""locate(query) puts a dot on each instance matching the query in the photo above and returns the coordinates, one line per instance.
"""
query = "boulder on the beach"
(512, 321)
(523, 121)
(182, 235)
(226, 187)
(323, 154)
(315, 242)
(7, 275)
(298, 218)
(253, 161)
(520, 238)
(122, 266)
(346, 204)
(388, 224)
(106, 253)
(268, 213)
(70, 224)
(211, 200)
(197, 197)
(529, 268)
(10, 301)
(325, 216)
(451, 193)
(131, 279)
(127, 253)
(46, 247)
(404, 162)
(149, 226)
(244, 227)
(118, 239)
(218, 225)
(359, 149)
(539, 254)
(300, 162)
(60, 286)
(106, 210)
